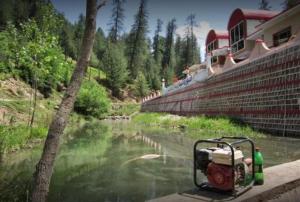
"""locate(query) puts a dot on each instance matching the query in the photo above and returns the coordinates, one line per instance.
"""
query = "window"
(223, 42)
(214, 59)
(281, 36)
(237, 37)
(212, 46)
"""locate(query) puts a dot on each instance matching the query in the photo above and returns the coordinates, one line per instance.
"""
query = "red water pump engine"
(219, 176)
(224, 166)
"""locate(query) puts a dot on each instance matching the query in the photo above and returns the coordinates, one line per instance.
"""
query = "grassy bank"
(124, 109)
(199, 126)
(13, 138)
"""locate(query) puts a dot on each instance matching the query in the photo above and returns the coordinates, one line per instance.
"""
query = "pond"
(118, 161)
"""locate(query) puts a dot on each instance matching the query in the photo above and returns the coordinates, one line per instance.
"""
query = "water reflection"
(120, 162)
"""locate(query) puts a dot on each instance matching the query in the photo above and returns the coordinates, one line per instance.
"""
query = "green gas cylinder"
(258, 162)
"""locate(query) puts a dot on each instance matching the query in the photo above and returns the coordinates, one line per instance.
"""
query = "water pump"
(224, 165)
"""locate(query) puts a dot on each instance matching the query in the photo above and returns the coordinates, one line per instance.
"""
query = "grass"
(197, 126)
(124, 109)
(18, 105)
(15, 137)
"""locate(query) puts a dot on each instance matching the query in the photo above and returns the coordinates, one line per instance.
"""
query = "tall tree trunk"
(44, 168)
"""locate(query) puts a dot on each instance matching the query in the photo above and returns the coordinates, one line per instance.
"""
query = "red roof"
(244, 14)
(213, 34)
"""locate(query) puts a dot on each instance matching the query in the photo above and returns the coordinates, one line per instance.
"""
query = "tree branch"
(101, 4)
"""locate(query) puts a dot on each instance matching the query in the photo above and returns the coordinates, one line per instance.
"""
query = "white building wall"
(290, 21)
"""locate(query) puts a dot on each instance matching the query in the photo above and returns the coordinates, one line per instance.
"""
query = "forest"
(39, 45)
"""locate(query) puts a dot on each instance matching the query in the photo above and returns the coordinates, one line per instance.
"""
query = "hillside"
(16, 103)
(16, 107)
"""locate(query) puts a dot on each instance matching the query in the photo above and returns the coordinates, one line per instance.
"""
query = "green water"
(107, 162)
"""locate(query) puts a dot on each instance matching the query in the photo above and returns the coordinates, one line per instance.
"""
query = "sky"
(210, 14)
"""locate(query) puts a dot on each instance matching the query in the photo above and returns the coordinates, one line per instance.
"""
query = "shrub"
(92, 100)
(34, 55)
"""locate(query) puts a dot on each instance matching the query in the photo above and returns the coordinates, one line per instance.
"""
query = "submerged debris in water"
(150, 156)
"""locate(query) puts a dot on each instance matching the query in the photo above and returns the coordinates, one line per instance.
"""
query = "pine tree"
(137, 44)
(6, 12)
(191, 51)
(67, 40)
(264, 5)
(78, 33)
(21, 11)
(178, 56)
(287, 4)
(190, 38)
(99, 44)
(196, 57)
(114, 65)
(158, 43)
(117, 20)
(168, 61)
(152, 73)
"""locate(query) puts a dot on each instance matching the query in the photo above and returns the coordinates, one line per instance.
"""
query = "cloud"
(200, 32)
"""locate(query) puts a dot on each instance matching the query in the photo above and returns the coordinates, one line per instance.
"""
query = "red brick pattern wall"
(264, 93)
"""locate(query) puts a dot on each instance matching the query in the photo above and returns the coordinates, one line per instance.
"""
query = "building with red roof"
(279, 29)
(241, 24)
(216, 40)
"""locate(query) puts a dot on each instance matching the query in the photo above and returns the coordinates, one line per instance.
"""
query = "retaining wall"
(264, 93)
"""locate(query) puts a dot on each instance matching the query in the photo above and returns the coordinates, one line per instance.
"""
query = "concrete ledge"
(282, 183)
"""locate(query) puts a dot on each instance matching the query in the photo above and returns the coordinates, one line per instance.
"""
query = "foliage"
(287, 4)
(94, 61)
(141, 86)
(34, 55)
(92, 100)
(114, 65)
(264, 5)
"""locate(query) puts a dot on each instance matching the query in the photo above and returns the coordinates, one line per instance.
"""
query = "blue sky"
(209, 14)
